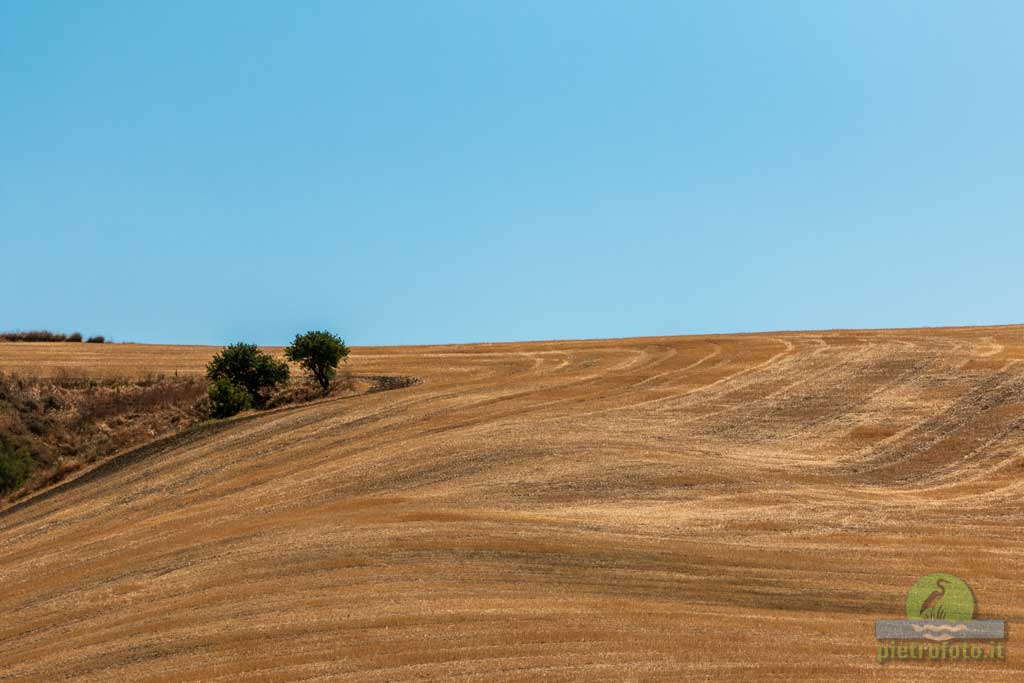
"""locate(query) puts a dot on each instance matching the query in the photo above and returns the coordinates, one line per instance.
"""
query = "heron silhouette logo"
(941, 597)
(940, 607)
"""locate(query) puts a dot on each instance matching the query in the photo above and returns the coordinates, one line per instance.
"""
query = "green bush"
(75, 337)
(227, 398)
(319, 354)
(255, 371)
(98, 339)
(15, 466)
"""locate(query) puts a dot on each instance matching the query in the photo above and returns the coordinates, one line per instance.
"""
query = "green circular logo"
(940, 596)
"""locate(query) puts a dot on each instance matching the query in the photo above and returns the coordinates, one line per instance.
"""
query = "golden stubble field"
(735, 506)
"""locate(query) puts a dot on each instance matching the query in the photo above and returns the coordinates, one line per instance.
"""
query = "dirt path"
(738, 506)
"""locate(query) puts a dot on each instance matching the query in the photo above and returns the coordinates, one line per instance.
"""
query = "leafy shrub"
(75, 337)
(319, 353)
(15, 466)
(227, 398)
(245, 365)
(98, 339)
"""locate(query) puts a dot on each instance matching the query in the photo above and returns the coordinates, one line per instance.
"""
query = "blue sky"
(405, 172)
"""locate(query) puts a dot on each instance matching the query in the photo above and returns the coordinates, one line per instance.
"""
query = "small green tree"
(227, 398)
(244, 365)
(15, 466)
(319, 354)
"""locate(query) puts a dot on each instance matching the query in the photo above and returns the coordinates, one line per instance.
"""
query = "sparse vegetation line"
(47, 336)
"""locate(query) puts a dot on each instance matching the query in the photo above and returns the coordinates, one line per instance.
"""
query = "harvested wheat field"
(735, 506)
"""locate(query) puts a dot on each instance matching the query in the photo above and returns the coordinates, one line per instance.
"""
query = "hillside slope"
(742, 506)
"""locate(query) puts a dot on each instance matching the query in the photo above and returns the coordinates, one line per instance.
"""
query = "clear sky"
(448, 171)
